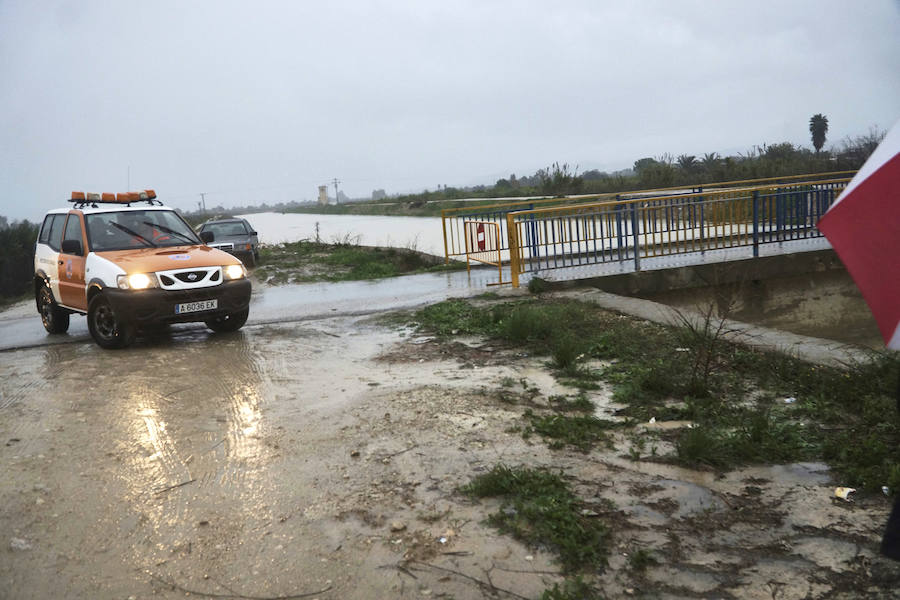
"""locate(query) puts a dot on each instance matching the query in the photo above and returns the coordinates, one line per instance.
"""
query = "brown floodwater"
(824, 305)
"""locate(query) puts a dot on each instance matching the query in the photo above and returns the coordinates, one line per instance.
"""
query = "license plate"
(189, 307)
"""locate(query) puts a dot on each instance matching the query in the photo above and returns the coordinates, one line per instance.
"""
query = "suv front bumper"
(155, 305)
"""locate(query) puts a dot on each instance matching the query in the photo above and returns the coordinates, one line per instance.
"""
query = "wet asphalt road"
(20, 326)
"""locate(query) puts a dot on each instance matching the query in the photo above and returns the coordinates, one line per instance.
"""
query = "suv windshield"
(138, 229)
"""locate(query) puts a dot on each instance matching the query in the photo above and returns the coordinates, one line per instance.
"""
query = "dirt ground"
(321, 459)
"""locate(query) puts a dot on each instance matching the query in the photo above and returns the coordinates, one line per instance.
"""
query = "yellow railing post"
(444, 226)
(512, 236)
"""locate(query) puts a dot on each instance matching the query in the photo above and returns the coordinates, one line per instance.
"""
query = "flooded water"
(417, 233)
(825, 305)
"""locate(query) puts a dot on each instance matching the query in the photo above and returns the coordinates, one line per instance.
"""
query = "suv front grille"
(186, 279)
(191, 276)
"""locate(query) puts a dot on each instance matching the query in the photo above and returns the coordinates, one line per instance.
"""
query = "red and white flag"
(863, 226)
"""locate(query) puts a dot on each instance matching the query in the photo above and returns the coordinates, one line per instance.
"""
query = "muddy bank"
(324, 457)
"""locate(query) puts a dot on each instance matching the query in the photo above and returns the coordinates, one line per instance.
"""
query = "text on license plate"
(189, 307)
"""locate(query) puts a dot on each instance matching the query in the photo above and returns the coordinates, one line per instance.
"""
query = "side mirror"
(252, 232)
(71, 247)
(207, 236)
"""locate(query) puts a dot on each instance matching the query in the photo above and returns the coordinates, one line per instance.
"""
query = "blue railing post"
(619, 227)
(755, 223)
(532, 234)
(634, 233)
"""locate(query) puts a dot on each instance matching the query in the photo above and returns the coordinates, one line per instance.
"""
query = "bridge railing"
(453, 219)
(630, 230)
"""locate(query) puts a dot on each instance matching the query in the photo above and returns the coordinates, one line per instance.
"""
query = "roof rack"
(81, 199)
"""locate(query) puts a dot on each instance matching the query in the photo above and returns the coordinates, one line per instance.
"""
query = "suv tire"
(231, 322)
(106, 328)
(54, 318)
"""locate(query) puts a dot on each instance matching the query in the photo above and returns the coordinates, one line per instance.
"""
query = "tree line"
(16, 266)
(666, 170)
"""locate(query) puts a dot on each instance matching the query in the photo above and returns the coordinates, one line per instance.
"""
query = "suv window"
(51, 231)
(73, 230)
(138, 229)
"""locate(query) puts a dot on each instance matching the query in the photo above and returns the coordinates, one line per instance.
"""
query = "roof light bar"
(110, 198)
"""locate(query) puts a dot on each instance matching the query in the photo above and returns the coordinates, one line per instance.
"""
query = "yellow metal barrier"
(452, 219)
(483, 245)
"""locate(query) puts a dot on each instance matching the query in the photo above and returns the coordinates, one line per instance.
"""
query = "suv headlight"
(235, 272)
(137, 281)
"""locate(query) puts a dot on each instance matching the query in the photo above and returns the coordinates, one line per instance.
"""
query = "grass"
(572, 589)
(539, 509)
(733, 395)
(307, 261)
(579, 431)
(639, 560)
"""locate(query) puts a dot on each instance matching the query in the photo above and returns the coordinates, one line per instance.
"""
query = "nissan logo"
(192, 276)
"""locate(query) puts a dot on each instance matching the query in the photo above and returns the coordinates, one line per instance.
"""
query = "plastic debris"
(652, 420)
(19, 544)
(844, 493)
(790, 400)
(682, 349)
(885, 490)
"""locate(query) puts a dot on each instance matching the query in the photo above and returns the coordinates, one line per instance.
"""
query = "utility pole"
(335, 182)
(203, 198)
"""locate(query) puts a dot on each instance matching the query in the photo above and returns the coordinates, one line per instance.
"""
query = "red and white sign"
(479, 236)
(863, 226)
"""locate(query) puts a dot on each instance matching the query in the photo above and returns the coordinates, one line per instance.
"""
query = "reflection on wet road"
(164, 457)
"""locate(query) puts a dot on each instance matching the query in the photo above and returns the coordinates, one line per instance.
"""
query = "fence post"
(619, 226)
(513, 243)
(755, 223)
(446, 249)
(634, 232)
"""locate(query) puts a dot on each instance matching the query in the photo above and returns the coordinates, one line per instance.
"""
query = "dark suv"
(234, 236)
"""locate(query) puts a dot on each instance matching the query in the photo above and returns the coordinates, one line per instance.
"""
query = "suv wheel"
(106, 328)
(54, 318)
(231, 322)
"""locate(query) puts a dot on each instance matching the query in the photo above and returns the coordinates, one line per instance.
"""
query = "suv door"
(71, 265)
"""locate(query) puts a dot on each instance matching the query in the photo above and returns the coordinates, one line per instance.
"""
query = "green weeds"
(580, 431)
(732, 394)
(539, 509)
(572, 589)
(639, 560)
(307, 261)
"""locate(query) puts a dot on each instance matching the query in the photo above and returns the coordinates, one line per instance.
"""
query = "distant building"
(323, 195)
(378, 195)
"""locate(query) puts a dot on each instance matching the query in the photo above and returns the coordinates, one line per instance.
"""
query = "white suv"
(129, 263)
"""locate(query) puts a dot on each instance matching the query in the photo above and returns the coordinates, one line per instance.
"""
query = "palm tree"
(687, 162)
(710, 160)
(818, 127)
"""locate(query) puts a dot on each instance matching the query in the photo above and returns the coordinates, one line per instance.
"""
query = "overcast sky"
(259, 101)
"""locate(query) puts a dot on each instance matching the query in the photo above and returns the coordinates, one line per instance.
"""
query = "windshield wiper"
(170, 231)
(132, 233)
